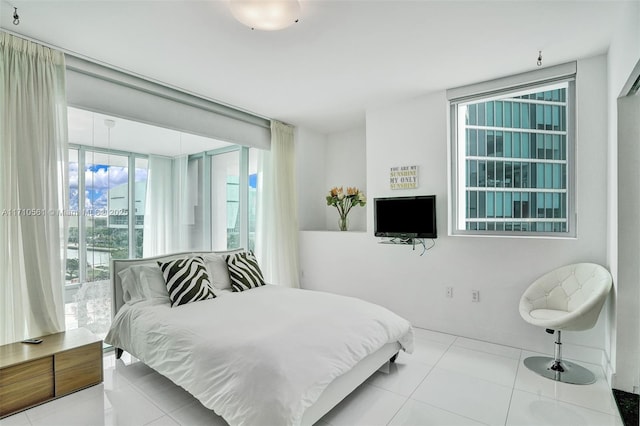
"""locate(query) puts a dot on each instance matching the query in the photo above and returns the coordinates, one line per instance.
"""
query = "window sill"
(514, 236)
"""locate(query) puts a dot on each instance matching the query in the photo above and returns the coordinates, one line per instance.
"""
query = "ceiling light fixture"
(268, 15)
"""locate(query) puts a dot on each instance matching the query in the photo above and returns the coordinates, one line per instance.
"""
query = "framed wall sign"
(403, 177)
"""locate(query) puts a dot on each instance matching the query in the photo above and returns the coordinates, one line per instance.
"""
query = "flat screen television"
(405, 217)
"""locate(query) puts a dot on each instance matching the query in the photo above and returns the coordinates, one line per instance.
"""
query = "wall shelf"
(409, 241)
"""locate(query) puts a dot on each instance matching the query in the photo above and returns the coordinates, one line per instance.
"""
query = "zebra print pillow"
(244, 271)
(187, 280)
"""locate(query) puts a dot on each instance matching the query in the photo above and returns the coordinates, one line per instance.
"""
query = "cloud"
(73, 198)
(73, 175)
(106, 177)
(96, 200)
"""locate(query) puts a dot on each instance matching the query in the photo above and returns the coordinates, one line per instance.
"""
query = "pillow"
(187, 280)
(244, 271)
(218, 271)
(153, 284)
(143, 282)
(131, 287)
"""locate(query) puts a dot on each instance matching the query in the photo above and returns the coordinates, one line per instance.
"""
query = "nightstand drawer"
(26, 371)
(25, 385)
(78, 368)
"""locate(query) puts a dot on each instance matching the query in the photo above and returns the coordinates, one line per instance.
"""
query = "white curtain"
(33, 189)
(277, 222)
(167, 218)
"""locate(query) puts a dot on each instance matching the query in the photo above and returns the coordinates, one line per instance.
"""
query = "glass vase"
(343, 223)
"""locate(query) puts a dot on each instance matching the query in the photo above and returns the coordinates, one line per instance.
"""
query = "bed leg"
(119, 353)
(393, 358)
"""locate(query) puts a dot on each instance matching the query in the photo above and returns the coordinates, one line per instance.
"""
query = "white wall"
(627, 376)
(325, 161)
(346, 166)
(623, 55)
(310, 157)
(415, 133)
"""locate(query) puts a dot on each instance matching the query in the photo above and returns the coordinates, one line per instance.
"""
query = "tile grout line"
(476, 378)
(397, 411)
(449, 411)
(141, 392)
(513, 387)
(486, 352)
(427, 375)
(407, 398)
(432, 367)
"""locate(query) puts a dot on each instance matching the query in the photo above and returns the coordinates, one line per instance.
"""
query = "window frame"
(493, 90)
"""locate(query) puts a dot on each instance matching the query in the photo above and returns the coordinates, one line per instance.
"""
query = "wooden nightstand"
(63, 363)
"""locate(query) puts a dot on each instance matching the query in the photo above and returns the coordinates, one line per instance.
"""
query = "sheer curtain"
(167, 219)
(33, 189)
(277, 222)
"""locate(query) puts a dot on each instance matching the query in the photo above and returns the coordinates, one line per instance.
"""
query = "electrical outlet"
(449, 291)
(475, 296)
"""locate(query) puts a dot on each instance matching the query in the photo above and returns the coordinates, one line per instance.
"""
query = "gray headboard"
(117, 265)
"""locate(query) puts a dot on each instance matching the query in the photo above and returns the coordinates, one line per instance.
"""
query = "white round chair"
(567, 298)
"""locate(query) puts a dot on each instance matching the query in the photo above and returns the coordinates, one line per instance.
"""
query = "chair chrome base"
(560, 371)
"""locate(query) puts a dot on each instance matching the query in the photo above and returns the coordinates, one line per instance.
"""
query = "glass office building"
(513, 151)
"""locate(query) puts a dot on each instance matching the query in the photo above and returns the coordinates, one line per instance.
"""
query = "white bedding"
(258, 357)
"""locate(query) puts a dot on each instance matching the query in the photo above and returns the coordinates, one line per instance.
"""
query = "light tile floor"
(448, 380)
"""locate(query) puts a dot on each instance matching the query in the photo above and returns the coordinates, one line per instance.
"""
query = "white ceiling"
(343, 57)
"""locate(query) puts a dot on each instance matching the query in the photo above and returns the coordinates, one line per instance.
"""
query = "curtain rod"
(124, 71)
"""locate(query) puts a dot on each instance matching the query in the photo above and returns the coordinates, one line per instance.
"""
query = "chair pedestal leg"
(559, 370)
(557, 356)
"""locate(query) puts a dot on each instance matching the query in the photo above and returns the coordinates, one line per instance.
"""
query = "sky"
(99, 178)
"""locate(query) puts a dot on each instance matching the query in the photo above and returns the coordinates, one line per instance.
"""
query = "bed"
(268, 355)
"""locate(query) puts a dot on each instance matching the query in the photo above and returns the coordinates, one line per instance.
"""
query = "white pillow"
(153, 283)
(131, 287)
(218, 269)
(144, 282)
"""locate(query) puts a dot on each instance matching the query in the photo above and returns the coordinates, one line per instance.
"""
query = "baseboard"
(587, 354)
(624, 384)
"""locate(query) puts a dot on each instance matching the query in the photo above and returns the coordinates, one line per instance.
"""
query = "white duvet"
(262, 356)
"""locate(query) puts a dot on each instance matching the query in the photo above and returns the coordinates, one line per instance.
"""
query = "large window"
(513, 161)
(108, 193)
(100, 228)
